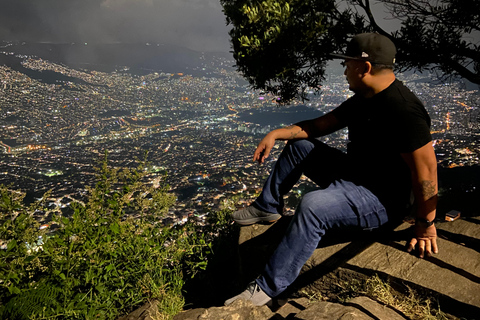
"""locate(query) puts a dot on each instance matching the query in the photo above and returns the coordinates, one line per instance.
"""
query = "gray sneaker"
(251, 215)
(253, 293)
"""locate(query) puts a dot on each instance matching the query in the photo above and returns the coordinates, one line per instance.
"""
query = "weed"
(100, 262)
(313, 296)
(412, 304)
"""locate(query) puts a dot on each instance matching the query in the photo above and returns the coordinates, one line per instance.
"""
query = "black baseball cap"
(372, 47)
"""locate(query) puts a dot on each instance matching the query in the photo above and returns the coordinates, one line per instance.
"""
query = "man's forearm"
(425, 233)
(425, 187)
(293, 131)
(312, 128)
(426, 197)
(309, 128)
(423, 166)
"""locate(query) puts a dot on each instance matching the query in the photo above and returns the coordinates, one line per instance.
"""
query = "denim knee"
(309, 214)
(300, 146)
(342, 204)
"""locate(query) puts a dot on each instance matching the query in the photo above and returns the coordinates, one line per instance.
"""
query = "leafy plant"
(110, 256)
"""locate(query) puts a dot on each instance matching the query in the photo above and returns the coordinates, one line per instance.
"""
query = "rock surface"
(239, 310)
(453, 272)
(360, 308)
(452, 276)
(148, 311)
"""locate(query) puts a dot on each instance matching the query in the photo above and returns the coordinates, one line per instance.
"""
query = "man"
(389, 156)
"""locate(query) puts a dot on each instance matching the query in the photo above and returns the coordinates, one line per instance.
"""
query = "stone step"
(453, 274)
(360, 308)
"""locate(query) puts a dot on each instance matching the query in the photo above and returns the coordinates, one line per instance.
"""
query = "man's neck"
(377, 83)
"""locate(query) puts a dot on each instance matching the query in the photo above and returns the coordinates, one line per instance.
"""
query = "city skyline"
(199, 129)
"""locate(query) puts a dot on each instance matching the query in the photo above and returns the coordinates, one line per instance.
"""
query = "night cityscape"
(196, 127)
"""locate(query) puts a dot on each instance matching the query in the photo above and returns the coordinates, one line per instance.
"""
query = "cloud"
(195, 24)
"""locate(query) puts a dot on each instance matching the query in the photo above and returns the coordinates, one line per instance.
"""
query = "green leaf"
(14, 290)
(11, 245)
(115, 228)
(100, 287)
(29, 259)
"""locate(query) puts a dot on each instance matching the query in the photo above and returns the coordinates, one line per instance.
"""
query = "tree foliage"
(282, 46)
(438, 35)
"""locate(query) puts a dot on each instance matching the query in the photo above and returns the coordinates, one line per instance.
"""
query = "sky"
(199, 25)
(195, 24)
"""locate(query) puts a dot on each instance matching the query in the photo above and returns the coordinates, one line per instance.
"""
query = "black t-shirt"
(380, 128)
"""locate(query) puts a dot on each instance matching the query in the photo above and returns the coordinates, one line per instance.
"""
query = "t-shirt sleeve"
(412, 128)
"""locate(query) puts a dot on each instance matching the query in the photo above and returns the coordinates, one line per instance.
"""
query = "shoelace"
(252, 288)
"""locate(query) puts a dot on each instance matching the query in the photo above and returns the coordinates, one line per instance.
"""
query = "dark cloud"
(195, 24)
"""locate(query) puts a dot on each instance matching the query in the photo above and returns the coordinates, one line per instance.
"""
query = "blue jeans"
(338, 203)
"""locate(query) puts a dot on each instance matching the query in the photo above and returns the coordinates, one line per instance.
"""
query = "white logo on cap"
(364, 55)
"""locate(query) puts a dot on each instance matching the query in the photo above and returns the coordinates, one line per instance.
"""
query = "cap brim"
(339, 56)
(342, 56)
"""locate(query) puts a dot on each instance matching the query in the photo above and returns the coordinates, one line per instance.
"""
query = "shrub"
(107, 258)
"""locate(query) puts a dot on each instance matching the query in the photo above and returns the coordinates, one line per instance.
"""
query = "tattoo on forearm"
(428, 189)
(293, 134)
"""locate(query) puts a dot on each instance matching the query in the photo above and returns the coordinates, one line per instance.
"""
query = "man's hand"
(423, 167)
(264, 148)
(425, 239)
(317, 127)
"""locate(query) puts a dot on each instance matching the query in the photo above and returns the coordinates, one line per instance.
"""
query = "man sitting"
(389, 155)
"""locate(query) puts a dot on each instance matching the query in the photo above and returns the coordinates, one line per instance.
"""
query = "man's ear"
(368, 67)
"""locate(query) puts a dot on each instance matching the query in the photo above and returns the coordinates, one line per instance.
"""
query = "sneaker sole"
(270, 219)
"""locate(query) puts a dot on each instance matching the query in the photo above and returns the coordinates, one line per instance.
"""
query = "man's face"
(354, 71)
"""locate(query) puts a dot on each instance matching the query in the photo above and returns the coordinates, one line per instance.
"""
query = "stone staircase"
(452, 276)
